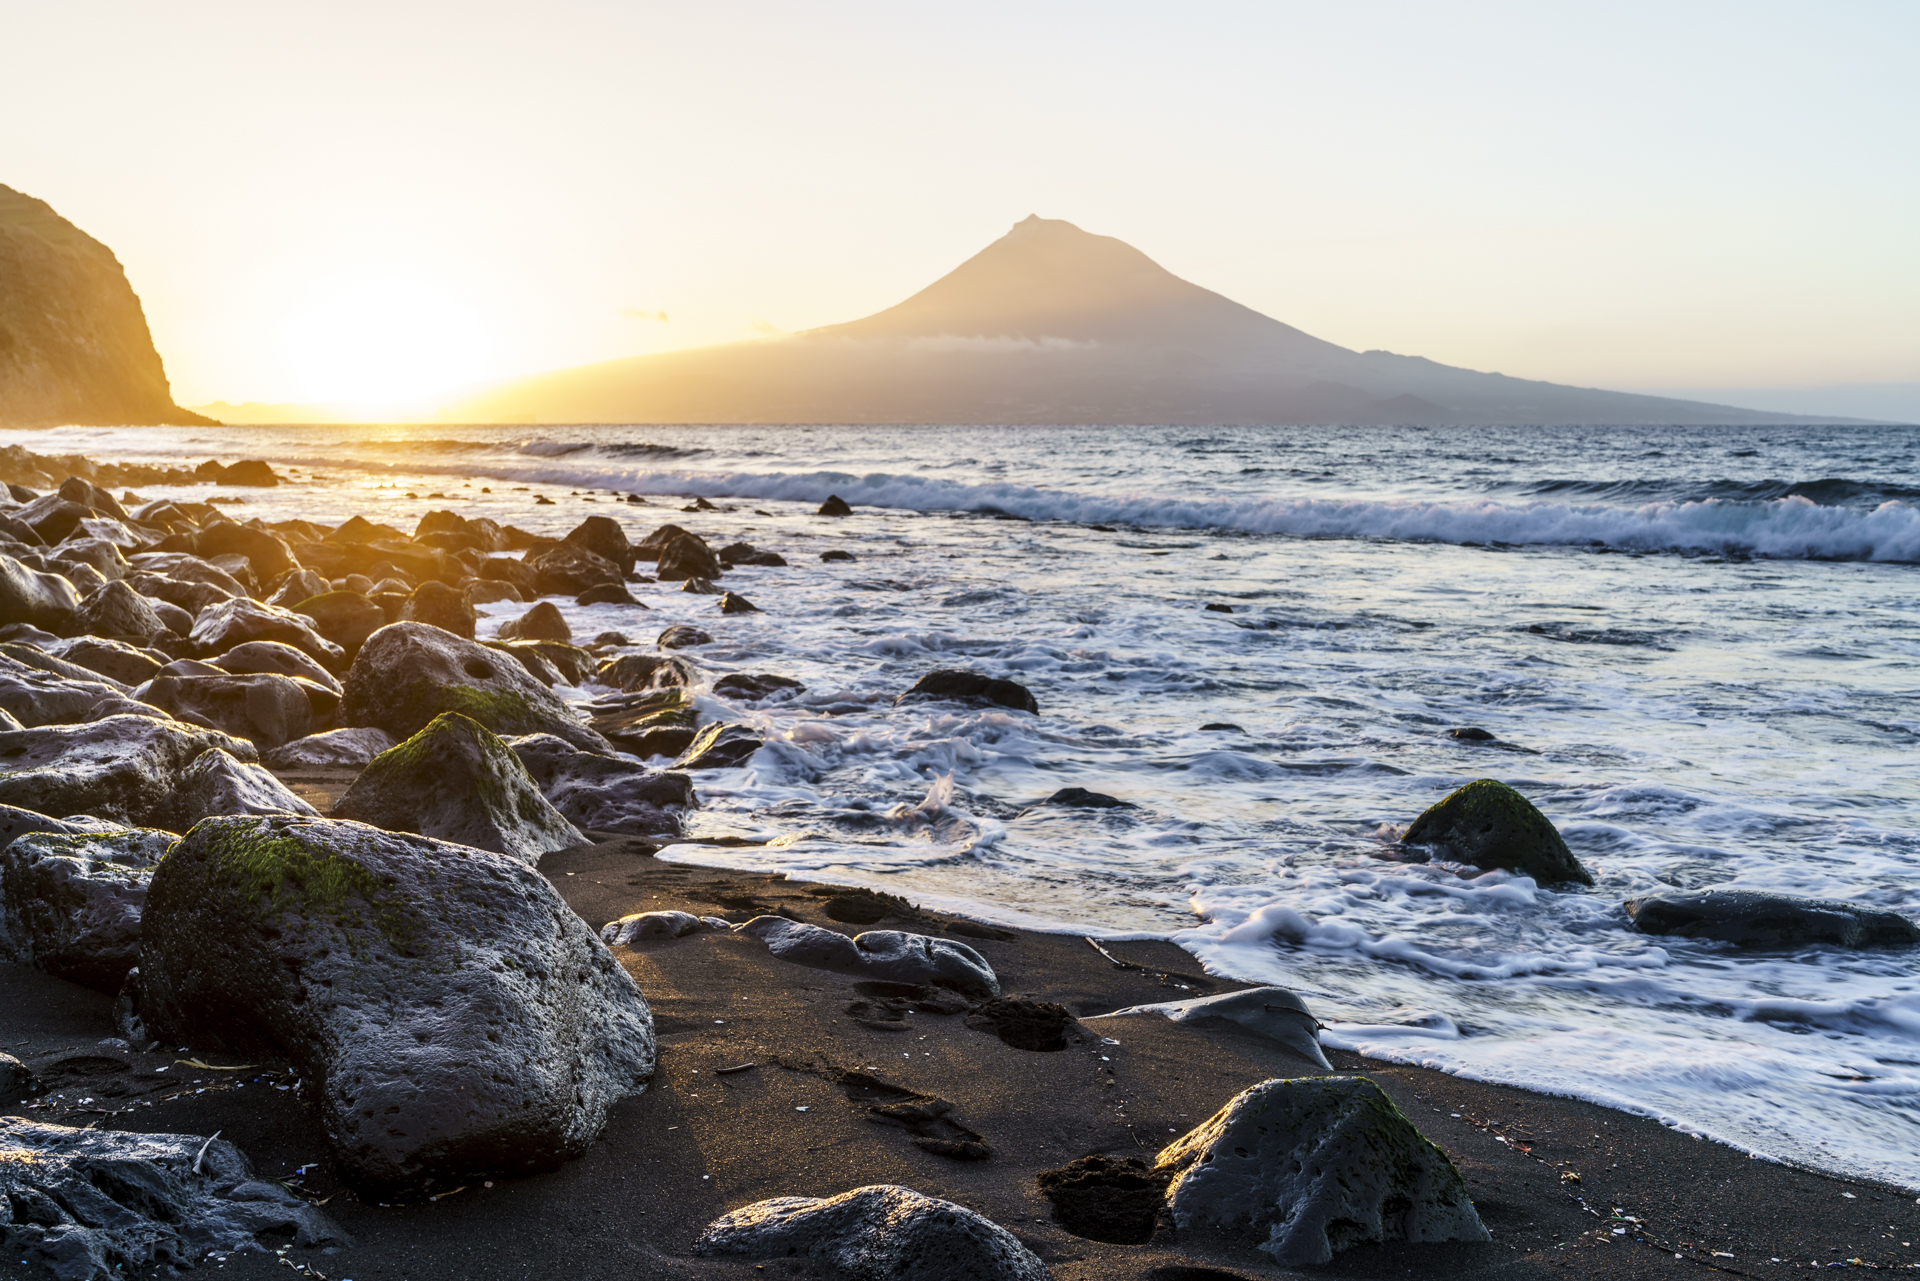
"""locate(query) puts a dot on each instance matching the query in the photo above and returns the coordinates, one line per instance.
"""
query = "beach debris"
(439, 605)
(834, 506)
(1106, 1198)
(1273, 1012)
(1081, 798)
(736, 1069)
(472, 1024)
(721, 747)
(605, 793)
(879, 1233)
(336, 748)
(1040, 1026)
(408, 673)
(543, 622)
(1491, 826)
(1754, 918)
(455, 780)
(629, 930)
(1302, 1169)
(950, 685)
(98, 1202)
(70, 904)
(889, 956)
(265, 709)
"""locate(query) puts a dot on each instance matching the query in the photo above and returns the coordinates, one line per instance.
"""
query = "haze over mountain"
(74, 344)
(1051, 324)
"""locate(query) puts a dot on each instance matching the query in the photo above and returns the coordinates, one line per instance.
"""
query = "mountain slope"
(74, 344)
(1050, 324)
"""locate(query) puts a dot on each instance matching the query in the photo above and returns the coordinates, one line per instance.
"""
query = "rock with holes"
(33, 696)
(458, 1019)
(1488, 824)
(886, 956)
(408, 673)
(1272, 1012)
(950, 685)
(101, 1203)
(335, 749)
(456, 781)
(1753, 918)
(608, 794)
(216, 783)
(70, 904)
(125, 768)
(641, 926)
(880, 1233)
(1302, 1169)
(263, 708)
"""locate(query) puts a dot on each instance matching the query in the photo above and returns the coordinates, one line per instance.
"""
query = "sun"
(383, 341)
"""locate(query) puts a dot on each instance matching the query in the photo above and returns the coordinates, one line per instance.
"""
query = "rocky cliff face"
(74, 346)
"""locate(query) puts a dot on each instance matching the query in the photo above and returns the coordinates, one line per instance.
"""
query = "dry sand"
(799, 1122)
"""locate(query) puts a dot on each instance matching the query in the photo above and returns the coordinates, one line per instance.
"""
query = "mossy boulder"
(456, 781)
(1491, 826)
(408, 673)
(1302, 1169)
(454, 1018)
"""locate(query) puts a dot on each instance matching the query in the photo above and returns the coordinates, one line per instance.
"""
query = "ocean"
(1698, 649)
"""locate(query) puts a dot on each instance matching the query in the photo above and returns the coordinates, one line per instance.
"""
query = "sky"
(371, 203)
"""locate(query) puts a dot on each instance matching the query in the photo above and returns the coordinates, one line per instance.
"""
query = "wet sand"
(1555, 1180)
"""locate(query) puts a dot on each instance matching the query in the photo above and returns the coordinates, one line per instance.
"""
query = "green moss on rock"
(1490, 825)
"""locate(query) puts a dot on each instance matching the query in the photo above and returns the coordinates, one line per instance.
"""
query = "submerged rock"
(408, 673)
(971, 687)
(607, 594)
(100, 1203)
(335, 749)
(634, 672)
(1081, 798)
(880, 1233)
(888, 956)
(1752, 918)
(834, 506)
(1489, 825)
(605, 793)
(721, 747)
(265, 709)
(1273, 1012)
(71, 904)
(456, 781)
(459, 1020)
(124, 768)
(753, 686)
(732, 604)
(1302, 1169)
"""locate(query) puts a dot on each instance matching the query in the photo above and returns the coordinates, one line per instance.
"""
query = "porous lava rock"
(735, 604)
(543, 622)
(607, 594)
(71, 904)
(650, 547)
(1302, 1169)
(635, 672)
(103, 1203)
(747, 554)
(334, 749)
(265, 709)
(266, 552)
(457, 781)
(457, 1019)
(439, 605)
(1491, 826)
(408, 673)
(879, 1233)
(220, 627)
(344, 618)
(219, 784)
(1754, 918)
(17, 1084)
(605, 793)
(117, 610)
(971, 687)
(886, 956)
(124, 768)
(641, 926)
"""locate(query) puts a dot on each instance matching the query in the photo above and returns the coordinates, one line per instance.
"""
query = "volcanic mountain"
(1051, 324)
(74, 345)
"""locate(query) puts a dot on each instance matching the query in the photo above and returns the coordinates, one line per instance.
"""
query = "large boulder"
(221, 627)
(124, 768)
(439, 605)
(182, 568)
(1302, 1169)
(521, 576)
(264, 709)
(1491, 826)
(33, 696)
(28, 596)
(1753, 918)
(344, 618)
(603, 536)
(105, 1203)
(335, 749)
(456, 781)
(116, 660)
(569, 569)
(954, 686)
(886, 956)
(102, 555)
(457, 1019)
(650, 547)
(119, 611)
(408, 673)
(217, 784)
(688, 556)
(273, 657)
(879, 1233)
(660, 722)
(70, 904)
(605, 793)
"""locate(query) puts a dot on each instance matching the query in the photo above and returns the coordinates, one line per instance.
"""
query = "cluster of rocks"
(21, 468)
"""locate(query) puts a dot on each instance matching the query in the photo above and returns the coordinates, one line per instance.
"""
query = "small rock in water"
(688, 556)
(836, 554)
(880, 1233)
(1471, 734)
(971, 687)
(1302, 1169)
(732, 604)
(1752, 918)
(1217, 608)
(834, 506)
(543, 622)
(1221, 727)
(682, 637)
(721, 747)
(1081, 798)
(607, 594)
(605, 793)
(752, 687)
(1488, 824)
(703, 587)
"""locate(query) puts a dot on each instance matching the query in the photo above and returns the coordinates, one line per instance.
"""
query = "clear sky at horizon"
(376, 201)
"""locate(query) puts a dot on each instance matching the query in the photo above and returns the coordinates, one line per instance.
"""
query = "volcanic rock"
(633, 672)
(263, 708)
(1272, 1012)
(658, 722)
(124, 768)
(345, 618)
(267, 553)
(683, 637)
(971, 687)
(273, 657)
(607, 594)
(460, 1021)
(721, 747)
(301, 585)
(35, 697)
(28, 596)
(888, 956)
(569, 569)
(688, 557)
(439, 605)
(506, 569)
(70, 904)
(335, 749)
(219, 784)
(115, 660)
(233, 622)
(834, 506)
(1080, 798)
(629, 930)
(605, 793)
(732, 604)
(603, 536)
(753, 686)
(543, 622)
(1489, 825)
(650, 547)
(1753, 918)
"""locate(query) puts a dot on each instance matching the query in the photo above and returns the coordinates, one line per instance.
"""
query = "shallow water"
(1697, 647)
